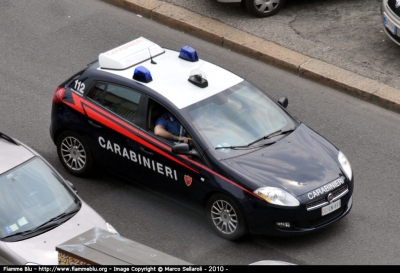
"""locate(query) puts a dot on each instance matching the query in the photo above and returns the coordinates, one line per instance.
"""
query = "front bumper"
(263, 218)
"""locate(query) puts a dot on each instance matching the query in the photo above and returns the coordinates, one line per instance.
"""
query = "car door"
(178, 176)
(111, 113)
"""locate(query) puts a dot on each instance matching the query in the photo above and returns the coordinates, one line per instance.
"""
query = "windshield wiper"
(26, 232)
(231, 147)
(241, 147)
(273, 134)
(52, 223)
(58, 217)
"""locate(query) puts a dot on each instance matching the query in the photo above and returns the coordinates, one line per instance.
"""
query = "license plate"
(331, 207)
(390, 25)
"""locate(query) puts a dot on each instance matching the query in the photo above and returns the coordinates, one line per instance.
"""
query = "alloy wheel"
(73, 153)
(266, 5)
(224, 217)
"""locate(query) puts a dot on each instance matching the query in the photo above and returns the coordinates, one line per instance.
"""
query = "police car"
(250, 165)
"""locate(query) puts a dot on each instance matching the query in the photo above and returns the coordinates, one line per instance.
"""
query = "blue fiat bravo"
(239, 156)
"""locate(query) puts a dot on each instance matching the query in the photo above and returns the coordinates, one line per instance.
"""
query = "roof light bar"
(189, 54)
(142, 74)
(129, 54)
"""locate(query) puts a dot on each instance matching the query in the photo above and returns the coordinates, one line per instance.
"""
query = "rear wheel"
(74, 154)
(264, 8)
(225, 217)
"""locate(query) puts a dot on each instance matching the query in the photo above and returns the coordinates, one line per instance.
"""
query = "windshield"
(237, 116)
(32, 194)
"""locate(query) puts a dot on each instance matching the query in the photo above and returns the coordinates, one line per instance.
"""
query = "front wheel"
(264, 8)
(74, 154)
(225, 217)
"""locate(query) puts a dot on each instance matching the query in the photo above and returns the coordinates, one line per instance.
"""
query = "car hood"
(41, 249)
(297, 163)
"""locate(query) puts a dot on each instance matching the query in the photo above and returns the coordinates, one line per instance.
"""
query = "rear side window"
(120, 100)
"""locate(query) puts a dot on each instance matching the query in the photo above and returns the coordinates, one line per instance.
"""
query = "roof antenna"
(151, 58)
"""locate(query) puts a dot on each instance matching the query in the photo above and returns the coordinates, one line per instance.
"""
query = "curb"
(270, 53)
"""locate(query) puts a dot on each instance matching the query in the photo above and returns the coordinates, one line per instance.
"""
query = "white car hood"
(41, 249)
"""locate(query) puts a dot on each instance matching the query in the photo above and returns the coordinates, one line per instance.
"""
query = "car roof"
(12, 155)
(169, 72)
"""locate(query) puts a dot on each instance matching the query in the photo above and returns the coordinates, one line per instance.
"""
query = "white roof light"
(129, 54)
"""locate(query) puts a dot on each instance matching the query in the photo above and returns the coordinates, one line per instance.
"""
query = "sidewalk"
(254, 47)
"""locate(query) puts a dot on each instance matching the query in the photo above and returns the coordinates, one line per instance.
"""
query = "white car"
(260, 8)
(390, 13)
(38, 208)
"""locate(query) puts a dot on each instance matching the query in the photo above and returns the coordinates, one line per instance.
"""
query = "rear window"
(120, 100)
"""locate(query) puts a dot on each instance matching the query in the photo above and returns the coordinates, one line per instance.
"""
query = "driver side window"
(158, 115)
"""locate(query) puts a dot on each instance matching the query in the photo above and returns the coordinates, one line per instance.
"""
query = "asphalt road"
(44, 42)
(344, 33)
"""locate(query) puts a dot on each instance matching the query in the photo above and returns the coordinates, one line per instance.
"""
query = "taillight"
(58, 94)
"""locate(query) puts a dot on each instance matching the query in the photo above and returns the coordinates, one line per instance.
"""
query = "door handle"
(94, 124)
(146, 151)
(131, 143)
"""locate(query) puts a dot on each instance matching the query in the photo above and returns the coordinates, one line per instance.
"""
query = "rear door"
(111, 111)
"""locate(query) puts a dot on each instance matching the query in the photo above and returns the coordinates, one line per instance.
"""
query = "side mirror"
(184, 149)
(283, 101)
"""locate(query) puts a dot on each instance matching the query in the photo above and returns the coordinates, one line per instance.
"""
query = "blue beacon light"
(142, 74)
(188, 53)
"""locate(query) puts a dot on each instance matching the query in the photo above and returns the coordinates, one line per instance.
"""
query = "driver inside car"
(167, 126)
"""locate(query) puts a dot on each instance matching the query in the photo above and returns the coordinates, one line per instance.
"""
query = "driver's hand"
(184, 139)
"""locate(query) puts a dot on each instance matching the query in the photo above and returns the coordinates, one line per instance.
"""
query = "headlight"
(277, 197)
(111, 228)
(344, 162)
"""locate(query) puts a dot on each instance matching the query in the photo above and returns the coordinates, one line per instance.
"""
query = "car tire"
(225, 217)
(74, 154)
(264, 8)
